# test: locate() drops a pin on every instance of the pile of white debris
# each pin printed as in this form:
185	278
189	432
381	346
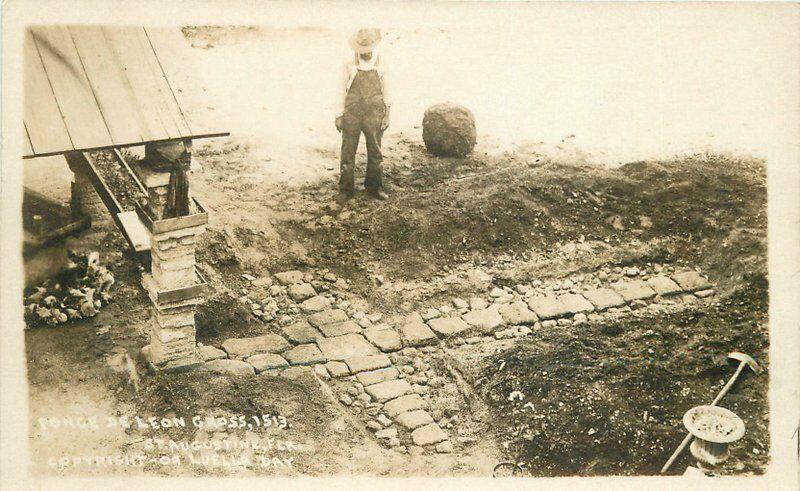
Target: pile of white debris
78	292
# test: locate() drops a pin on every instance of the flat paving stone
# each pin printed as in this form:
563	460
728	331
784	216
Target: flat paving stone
301	291
386	340
386	391
604	298
289	277
366	363
210	353
518	313
409	402
428	435
691	281
337	369
448	326
245	347
664	286
346	346
297	373
377	376
576	303
413	318
485	320
412	420
305	354
339	328
548	307
633	290
330	316
229	367
416	334
315	304
301	333
267	361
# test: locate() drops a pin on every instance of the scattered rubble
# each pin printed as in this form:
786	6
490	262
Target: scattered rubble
80	291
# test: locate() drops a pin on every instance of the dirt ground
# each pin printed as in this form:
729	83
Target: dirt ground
451	228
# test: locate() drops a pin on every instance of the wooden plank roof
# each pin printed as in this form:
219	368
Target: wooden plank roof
92	87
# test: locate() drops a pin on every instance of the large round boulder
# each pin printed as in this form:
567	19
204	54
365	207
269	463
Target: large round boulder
449	130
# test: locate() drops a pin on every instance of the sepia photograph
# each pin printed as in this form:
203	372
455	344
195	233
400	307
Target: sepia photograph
502	240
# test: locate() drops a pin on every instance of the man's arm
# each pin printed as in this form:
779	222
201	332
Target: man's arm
387	100
345	77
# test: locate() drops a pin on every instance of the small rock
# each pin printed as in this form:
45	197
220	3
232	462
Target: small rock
445	447
431	313
301	291
315	304
322	372
337	369
289	277
476	303
428	435
386	433
210	353
460	303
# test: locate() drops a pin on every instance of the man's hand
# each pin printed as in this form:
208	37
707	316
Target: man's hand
338	123
385	121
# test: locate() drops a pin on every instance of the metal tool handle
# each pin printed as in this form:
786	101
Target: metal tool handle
688	439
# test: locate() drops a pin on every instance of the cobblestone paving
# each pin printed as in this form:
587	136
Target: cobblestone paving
383	371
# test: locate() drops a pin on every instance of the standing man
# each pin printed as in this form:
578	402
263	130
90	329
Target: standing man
364	109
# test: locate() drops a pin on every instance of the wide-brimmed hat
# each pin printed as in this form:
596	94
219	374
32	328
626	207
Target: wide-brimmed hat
365	40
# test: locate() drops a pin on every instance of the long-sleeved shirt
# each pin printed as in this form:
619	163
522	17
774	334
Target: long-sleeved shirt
352	66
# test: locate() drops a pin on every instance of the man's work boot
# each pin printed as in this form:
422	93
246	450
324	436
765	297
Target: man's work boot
378	194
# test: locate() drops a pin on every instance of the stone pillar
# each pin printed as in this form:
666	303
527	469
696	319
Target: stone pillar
173	289
84	200
173	285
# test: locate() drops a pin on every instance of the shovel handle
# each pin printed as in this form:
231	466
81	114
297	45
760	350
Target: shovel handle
729	384
678	451
688	438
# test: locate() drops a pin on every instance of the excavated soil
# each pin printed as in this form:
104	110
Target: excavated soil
610	400
449	211
514	214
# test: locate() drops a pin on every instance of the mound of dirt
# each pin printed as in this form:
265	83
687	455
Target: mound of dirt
223	317
301	413
590	403
707	209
